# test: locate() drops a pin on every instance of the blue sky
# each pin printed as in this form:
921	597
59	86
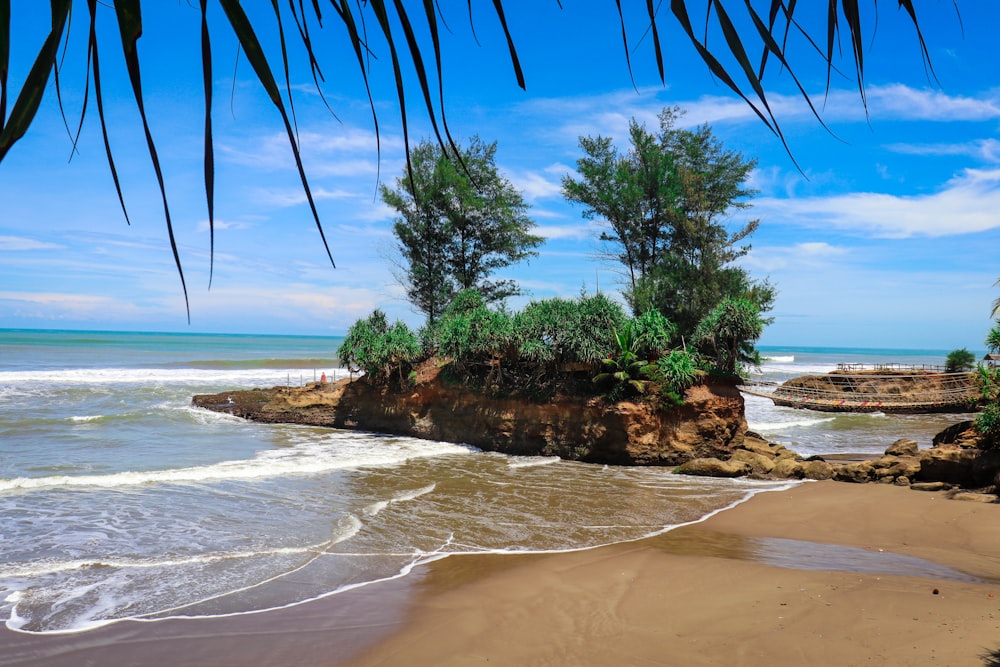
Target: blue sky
886	237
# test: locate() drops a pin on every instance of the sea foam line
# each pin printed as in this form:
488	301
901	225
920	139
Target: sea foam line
308	460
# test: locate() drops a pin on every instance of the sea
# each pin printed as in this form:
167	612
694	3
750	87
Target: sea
120	502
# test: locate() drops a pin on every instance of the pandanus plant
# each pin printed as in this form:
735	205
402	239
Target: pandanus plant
623	369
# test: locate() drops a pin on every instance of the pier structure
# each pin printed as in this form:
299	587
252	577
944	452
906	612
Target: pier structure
889	388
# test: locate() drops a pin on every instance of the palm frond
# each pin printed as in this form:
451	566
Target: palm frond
411	38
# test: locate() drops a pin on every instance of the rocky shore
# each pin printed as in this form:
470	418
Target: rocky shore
707	435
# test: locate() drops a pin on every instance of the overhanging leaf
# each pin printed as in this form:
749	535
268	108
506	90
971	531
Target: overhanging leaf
30	97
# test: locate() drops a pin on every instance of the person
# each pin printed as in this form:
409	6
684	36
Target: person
322	378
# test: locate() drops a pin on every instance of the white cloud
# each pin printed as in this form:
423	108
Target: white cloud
17	243
221	225
904	102
809	256
294	197
967	204
534	185
987	150
576	232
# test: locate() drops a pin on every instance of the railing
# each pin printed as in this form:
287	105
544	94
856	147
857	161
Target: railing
891	367
955	389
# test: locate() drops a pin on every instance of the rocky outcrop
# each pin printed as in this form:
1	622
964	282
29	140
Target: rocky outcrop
710	423
705	436
957	464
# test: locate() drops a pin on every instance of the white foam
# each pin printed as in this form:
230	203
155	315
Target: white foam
403	496
354	451
784	359
796	423
532	461
85	418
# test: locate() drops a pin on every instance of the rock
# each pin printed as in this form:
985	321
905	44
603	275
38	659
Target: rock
710	423
817	470
902	447
815	457
930	486
757	445
976	497
788	468
858	472
971	468
759	463
712	467
902	480
963	433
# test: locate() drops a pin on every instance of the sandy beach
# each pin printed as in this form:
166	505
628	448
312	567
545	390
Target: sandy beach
895	577
705	595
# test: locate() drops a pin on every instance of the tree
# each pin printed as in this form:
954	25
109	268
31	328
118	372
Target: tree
666	200
959	361
460	221
768	36
728	333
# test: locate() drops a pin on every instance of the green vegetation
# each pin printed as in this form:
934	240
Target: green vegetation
380	350
988	421
959	361
460	221
583	346
665	200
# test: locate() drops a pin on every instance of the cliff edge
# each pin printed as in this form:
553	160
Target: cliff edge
710	423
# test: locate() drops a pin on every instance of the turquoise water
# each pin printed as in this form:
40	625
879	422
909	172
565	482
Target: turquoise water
119	501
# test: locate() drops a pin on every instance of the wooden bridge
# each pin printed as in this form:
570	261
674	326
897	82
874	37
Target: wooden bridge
953	392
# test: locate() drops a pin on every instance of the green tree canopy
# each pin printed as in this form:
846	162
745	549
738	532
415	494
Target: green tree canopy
459	222
666	201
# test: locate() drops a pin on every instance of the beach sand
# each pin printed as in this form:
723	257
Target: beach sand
898	577
700	595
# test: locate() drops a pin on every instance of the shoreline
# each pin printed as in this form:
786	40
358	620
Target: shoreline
713	592
703	594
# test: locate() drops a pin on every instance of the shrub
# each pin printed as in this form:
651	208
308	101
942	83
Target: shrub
726	336
557	331
959	360
678	370
654	332
988	425
380	350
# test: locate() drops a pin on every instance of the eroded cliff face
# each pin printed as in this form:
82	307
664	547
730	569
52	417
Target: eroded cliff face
710	423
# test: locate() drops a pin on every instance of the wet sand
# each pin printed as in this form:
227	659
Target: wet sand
824	574
904	578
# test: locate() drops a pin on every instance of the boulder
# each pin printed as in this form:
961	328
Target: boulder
712	467
817	470
976	497
930	486
958	465
902	480
962	434
902	447
857	472
761	464
788	468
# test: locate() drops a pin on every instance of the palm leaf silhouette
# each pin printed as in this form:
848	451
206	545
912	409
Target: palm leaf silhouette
402	29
